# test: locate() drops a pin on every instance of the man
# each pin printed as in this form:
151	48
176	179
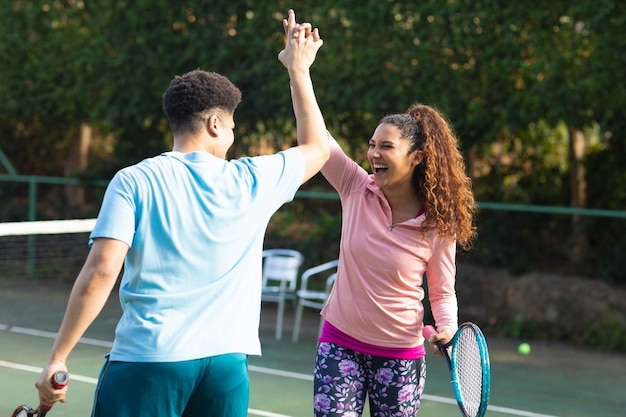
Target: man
188	226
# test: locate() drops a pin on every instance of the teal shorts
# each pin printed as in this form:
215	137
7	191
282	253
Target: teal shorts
217	386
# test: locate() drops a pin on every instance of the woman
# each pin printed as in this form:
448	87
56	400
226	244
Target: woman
400	222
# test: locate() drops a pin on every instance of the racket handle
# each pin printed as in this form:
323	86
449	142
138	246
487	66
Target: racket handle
59	380
428	331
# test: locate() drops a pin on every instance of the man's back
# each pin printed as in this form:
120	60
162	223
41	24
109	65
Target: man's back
195	225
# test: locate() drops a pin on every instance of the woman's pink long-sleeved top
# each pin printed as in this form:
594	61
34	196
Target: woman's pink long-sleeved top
377	296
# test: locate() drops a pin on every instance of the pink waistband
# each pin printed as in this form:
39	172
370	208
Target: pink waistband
331	334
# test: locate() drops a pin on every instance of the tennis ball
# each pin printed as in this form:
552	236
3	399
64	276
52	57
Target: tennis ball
524	349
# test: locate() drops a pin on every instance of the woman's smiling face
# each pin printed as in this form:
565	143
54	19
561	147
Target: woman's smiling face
389	157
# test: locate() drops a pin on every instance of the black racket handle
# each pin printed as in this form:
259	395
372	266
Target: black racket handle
427	332
59	380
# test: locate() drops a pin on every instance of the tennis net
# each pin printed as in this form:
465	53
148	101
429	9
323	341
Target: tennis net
54	249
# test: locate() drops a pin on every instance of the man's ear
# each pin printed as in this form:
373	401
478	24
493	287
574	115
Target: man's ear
212	125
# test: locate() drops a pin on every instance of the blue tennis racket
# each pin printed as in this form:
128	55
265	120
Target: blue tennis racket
468	361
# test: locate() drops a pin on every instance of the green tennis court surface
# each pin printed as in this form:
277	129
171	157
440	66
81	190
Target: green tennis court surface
554	380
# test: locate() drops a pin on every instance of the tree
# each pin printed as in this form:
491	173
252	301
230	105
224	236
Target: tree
517	80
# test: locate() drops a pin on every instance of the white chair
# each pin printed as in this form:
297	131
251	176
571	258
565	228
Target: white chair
280	273
315	286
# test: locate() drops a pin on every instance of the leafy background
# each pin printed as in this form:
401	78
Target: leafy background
536	95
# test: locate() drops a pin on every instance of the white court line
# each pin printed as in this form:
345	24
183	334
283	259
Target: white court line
514	412
278	372
52	335
437	398
37	370
253	368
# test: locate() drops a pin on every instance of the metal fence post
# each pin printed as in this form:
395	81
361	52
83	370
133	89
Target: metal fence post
32	215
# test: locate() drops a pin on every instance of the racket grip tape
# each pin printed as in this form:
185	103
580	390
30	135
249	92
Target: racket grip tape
59	380
428	331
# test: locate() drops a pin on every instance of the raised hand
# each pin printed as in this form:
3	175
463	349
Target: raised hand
302	44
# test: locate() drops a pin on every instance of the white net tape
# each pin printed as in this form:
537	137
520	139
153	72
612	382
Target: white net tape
43	249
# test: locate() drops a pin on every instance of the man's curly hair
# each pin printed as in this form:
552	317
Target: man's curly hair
191	96
440	180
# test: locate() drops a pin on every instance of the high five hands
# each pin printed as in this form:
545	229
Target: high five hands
302	44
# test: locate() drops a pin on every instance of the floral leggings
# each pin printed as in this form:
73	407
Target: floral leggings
343	377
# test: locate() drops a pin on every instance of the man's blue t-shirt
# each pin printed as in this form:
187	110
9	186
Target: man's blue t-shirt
195	226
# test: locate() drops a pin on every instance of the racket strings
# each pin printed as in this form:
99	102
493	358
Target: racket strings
470	371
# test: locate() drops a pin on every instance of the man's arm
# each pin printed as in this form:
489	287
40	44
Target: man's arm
298	56
89	294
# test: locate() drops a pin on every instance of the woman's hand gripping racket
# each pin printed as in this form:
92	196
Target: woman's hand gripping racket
468	360
59	380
